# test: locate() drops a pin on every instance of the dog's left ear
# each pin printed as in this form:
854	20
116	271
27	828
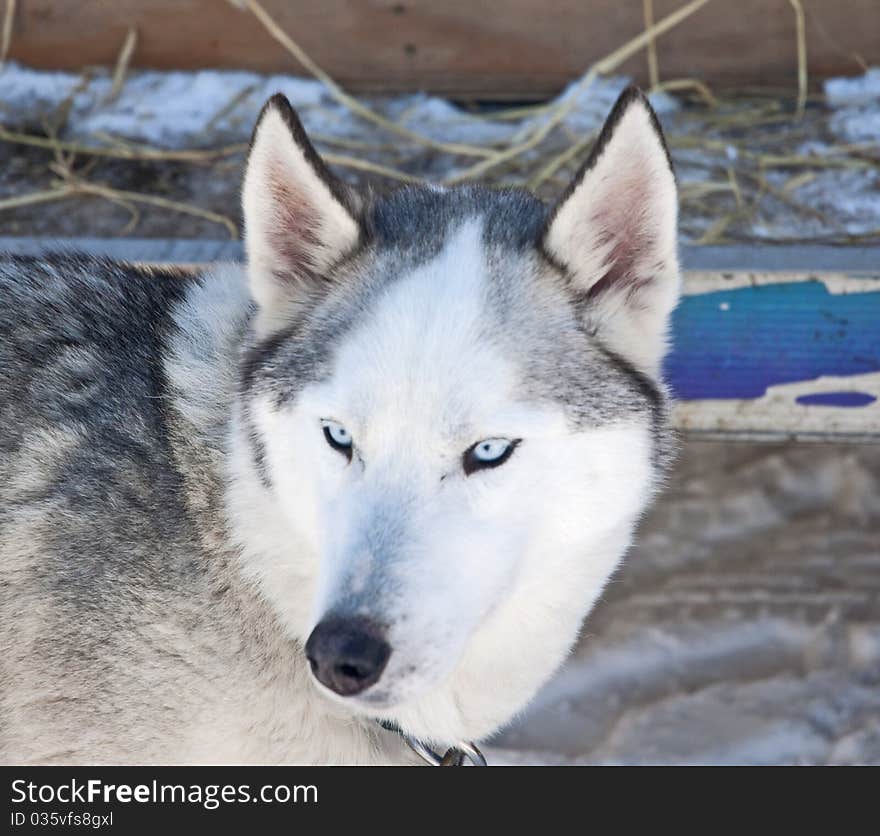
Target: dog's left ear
614	232
299	218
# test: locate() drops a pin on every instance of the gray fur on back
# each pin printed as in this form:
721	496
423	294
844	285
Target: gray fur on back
120	620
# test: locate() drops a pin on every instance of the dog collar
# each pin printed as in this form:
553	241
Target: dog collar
454	756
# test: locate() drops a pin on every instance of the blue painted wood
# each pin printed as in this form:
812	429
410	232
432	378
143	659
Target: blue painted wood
840	399
736	343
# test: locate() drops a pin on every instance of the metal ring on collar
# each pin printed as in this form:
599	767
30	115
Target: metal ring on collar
453	757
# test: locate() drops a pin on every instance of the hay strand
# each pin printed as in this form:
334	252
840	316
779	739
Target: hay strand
354	105
123	62
117	195
605	65
653	67
800	29
742	169
121	152
6	34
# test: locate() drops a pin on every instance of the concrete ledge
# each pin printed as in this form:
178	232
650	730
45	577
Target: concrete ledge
852	260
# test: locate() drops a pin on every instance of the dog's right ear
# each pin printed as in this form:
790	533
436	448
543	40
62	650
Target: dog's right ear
299	218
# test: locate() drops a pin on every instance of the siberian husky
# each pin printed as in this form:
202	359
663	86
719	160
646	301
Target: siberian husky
361	490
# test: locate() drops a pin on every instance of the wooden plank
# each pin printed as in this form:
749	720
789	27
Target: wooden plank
779	354
789	352
458	47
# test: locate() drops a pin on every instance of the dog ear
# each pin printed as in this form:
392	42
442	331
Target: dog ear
614	232
299	218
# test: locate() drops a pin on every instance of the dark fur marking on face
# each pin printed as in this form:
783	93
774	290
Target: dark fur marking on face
257	449
513	218
406	228
656	400
402	229
256	361
259	355
531	306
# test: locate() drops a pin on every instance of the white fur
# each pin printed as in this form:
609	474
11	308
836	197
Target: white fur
481	581
492	573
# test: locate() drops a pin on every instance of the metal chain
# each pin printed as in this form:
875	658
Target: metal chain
454	757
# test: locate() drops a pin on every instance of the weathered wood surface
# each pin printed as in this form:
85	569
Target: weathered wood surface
764	355
785	346
514	48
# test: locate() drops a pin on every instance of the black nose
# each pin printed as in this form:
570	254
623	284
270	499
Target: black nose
347	654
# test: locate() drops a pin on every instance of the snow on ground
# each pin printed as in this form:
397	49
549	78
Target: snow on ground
212	107
855	100
728	193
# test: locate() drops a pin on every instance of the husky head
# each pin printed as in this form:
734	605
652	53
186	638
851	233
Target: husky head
451	416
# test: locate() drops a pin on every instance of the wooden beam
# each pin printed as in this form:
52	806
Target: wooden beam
467	48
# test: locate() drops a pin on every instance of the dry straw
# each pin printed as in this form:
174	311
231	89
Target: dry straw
122	63
6	32
542	153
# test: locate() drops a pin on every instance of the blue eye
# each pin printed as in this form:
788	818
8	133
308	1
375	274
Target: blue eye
491	452
337	437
